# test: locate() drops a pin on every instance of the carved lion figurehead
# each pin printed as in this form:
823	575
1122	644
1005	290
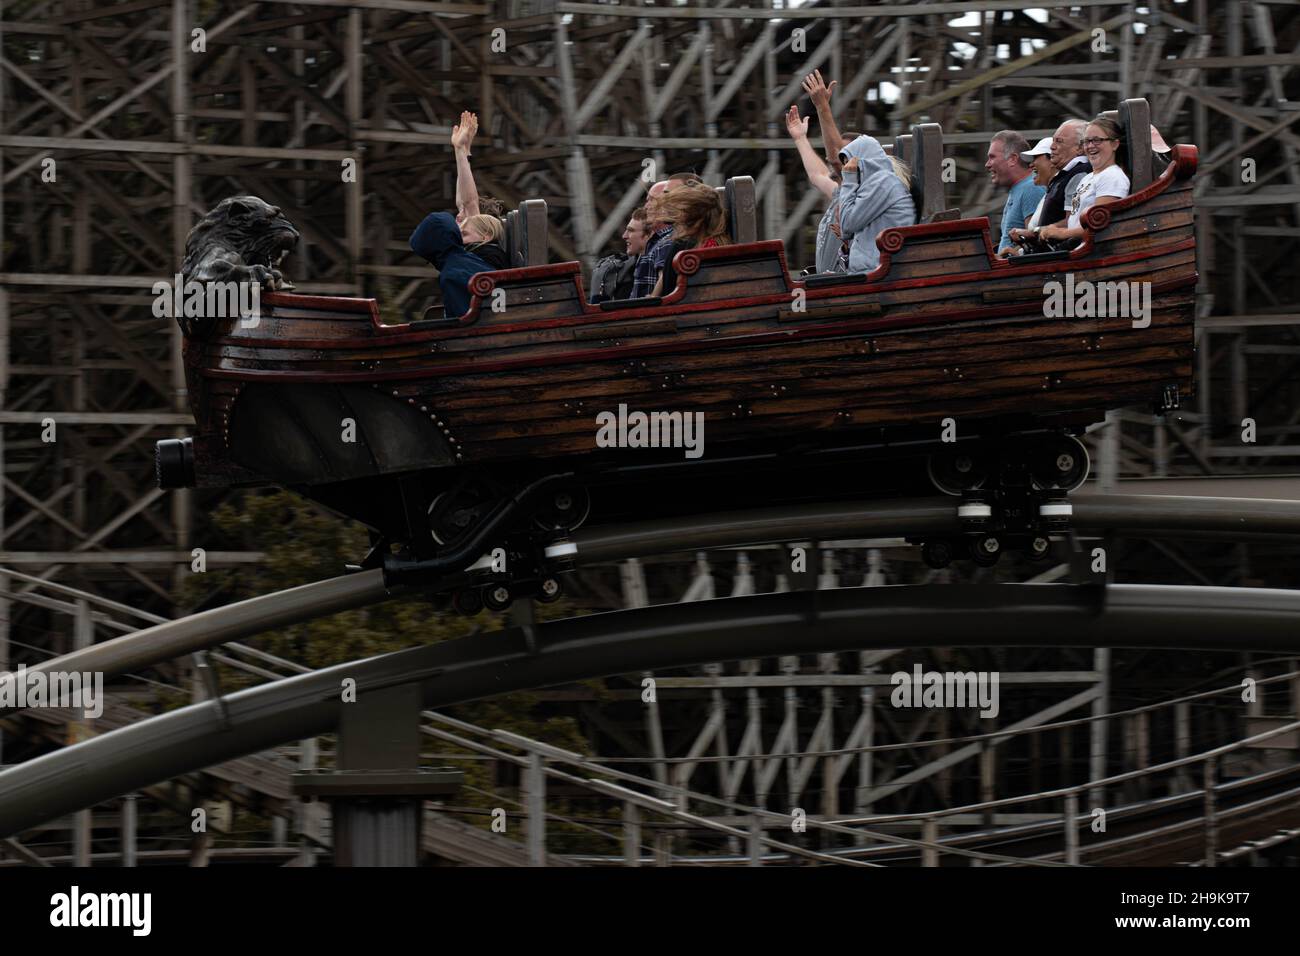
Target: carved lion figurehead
240	226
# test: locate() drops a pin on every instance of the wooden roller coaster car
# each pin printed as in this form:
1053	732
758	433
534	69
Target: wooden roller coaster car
788	373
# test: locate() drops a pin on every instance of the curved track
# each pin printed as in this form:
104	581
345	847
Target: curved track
649	639
1230	518
173	639
661	637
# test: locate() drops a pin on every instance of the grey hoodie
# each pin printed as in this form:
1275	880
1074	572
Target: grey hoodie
872	199
828	244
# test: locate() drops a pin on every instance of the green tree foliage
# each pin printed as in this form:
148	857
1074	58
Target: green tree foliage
302	544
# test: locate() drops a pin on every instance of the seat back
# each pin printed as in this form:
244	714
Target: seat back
902	147
926	147
740	203
511	241
526	234
1135	120
927	169
534	240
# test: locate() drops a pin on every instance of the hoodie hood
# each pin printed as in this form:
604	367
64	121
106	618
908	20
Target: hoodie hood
871	200
490	252
871	157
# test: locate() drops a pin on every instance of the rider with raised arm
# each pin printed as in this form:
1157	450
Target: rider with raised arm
468	201
828	230
468	243
819	175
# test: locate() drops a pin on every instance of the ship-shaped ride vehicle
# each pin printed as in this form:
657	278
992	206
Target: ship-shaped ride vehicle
944	368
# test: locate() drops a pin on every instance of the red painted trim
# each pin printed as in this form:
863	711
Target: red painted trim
292	300
1097	218
829	330
736	251
716	305
687	263
890	242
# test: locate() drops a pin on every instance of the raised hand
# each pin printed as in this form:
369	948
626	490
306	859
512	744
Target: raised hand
817	90
796	125
462	134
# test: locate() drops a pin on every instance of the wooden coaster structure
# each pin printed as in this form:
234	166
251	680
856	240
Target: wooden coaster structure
120	125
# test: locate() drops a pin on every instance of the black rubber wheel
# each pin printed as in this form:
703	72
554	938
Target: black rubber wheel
564	510
468	602
550	590
985	549
1060	462
937	554
454	513
957	470
497	597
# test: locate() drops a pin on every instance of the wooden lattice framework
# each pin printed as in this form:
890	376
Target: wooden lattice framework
146	131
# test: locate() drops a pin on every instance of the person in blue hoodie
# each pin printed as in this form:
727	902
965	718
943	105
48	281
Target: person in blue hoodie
872	199
459	252
471	241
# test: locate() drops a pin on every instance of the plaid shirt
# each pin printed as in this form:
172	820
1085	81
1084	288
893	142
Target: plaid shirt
651	262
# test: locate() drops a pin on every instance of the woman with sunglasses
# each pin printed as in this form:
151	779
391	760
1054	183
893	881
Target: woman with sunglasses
1105	184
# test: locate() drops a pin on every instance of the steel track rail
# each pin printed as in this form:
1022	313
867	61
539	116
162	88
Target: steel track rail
172	639
1232	518
653	638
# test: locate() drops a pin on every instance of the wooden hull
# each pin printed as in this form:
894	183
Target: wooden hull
940	330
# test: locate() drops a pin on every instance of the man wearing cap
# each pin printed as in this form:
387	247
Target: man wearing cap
1039	159
1007	169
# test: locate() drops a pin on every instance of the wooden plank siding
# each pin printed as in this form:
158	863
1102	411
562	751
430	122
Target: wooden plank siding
941	328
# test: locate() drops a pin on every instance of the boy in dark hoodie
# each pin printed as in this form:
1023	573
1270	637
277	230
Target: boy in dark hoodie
458	254
468	243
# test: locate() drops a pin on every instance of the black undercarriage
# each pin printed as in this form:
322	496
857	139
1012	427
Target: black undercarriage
491	535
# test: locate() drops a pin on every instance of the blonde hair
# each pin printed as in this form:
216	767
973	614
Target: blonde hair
694	211
485	225
902	171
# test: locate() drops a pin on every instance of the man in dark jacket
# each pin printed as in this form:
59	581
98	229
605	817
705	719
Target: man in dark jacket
1072	166
614	275
1068	158
459	257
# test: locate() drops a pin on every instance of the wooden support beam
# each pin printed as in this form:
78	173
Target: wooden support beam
987	79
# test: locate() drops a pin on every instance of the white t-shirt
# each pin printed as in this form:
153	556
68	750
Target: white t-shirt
1038	213
1111	181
